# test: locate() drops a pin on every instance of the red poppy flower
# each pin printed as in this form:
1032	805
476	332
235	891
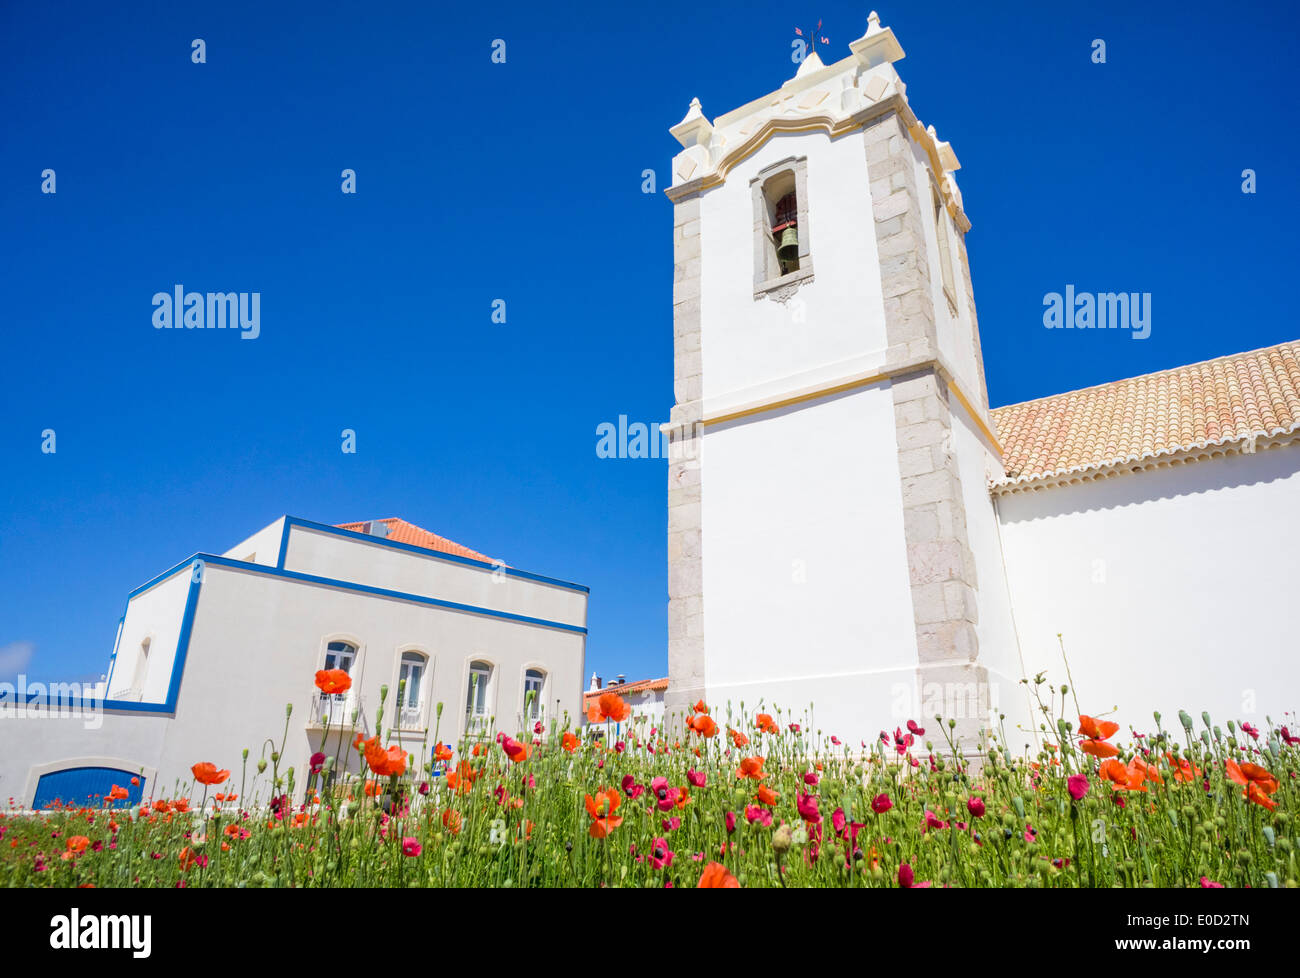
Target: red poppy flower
610	706
716	877
206	772
333	681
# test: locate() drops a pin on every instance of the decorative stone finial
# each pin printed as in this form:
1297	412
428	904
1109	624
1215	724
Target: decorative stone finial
878	45
694	129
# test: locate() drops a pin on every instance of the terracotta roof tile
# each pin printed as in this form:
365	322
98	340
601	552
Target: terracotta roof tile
401	531
636	687
1210	403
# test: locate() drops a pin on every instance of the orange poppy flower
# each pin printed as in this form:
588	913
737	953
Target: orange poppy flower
1184	771
766	796
188	859
442	752
1097	729
601	810
205	772
716	877
117	793
1099	748
683	796
373	789
738	738
77	843
462	779
610	706
765	723
1129	778
451	820
385	763
1258	782
181	805
703	725
569	741
333	681
359	742
161	806
699	707
751	767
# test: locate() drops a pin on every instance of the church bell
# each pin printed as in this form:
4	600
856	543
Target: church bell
788	249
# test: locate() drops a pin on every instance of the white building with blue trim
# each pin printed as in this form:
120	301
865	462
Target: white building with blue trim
211	651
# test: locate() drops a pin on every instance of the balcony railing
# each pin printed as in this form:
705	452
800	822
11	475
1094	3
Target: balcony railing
338	709
411	717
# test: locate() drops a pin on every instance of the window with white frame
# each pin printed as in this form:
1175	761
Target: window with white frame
410	681
477	695
534	685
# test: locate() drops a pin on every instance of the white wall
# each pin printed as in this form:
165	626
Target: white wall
378	565
818	485
155	614
999	645
263	547
746	342
1173	588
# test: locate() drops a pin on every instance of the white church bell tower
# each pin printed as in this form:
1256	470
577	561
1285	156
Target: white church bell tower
831	538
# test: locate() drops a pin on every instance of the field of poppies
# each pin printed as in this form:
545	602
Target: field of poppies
733	799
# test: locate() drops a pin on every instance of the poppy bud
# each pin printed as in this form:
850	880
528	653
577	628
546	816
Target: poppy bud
261	765
275	756
1185	719
1268	836
782	839
245	753
288	710
1205	718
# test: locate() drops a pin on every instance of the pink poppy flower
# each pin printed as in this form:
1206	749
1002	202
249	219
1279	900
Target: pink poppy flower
631	788
810	778
411	847
660	855
665	795
807	806
907	878
918	731
1209	884
975	806
755	813
1078	786
696	778
881	804
731	822
672	824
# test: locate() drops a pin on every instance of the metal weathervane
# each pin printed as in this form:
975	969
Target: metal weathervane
814	35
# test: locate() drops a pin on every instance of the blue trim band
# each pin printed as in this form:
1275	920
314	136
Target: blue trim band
284	544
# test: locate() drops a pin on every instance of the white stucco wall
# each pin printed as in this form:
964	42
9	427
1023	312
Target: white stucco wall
1173	588
263	547
805	566
999	645
377	565
746	342
155	614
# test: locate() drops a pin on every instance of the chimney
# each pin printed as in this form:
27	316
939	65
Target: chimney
376	528
621	679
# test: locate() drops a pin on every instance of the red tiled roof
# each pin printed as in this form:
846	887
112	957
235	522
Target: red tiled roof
401	531
621	688
1232	398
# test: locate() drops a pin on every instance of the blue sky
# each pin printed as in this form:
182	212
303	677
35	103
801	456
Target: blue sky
522	181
